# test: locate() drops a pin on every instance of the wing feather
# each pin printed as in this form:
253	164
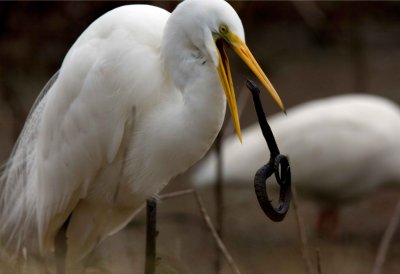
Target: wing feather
17	204
85	118
78	125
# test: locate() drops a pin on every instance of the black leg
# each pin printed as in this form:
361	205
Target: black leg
151	234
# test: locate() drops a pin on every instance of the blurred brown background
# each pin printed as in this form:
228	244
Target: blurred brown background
308	50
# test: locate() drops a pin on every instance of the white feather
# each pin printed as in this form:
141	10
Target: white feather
137	101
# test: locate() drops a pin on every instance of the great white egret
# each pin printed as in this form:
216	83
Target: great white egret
139	98
340	149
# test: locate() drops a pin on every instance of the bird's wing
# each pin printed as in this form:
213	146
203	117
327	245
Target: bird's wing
17	210
103	77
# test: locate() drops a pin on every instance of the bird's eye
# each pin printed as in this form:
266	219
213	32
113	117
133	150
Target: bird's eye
223	29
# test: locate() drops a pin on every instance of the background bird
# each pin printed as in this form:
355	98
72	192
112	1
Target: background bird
341	149
139	98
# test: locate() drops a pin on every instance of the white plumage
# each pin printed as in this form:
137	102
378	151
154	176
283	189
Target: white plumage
340	149
136	101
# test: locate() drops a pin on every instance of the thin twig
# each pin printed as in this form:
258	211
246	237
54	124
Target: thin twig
175	194
227	129
386	240
214	233
208	222
302	232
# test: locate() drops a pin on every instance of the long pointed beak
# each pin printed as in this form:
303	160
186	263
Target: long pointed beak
245	54
226	81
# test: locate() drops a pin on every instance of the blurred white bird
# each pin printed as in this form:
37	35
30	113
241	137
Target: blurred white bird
136	101
340	149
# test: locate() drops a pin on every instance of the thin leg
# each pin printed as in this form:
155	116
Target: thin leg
209	224
386	240
151	234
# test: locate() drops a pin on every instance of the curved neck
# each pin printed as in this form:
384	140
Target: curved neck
198	113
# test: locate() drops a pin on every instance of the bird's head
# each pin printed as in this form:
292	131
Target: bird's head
213	26
228	33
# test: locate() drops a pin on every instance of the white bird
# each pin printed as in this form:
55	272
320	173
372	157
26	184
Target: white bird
340	149
139	98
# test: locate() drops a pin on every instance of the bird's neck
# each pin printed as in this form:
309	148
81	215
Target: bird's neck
202	106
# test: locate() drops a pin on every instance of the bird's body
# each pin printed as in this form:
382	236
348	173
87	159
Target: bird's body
340	149
136	101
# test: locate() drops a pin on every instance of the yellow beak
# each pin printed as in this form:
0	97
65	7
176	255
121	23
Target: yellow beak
224	73
226	79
